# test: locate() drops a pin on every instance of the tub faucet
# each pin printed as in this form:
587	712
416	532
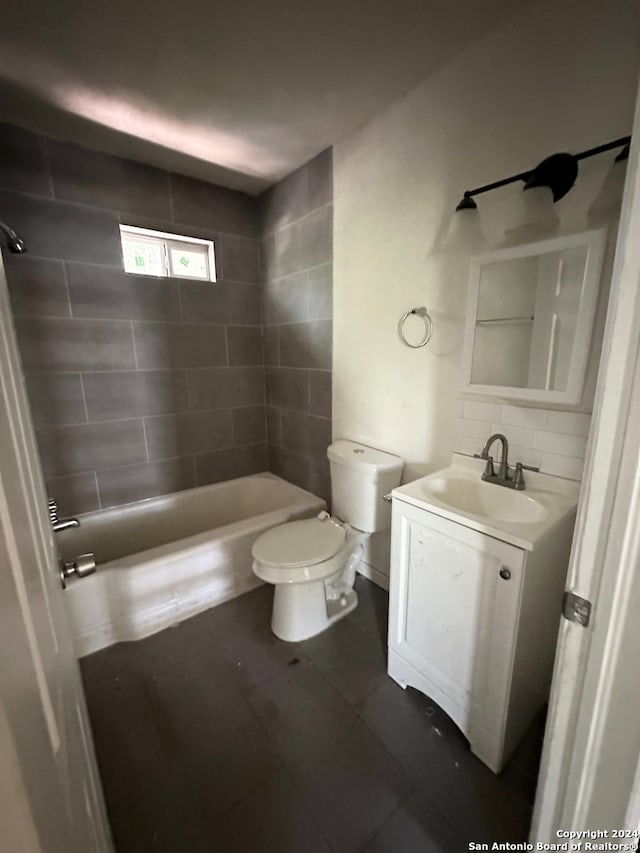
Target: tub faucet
502	477
62	523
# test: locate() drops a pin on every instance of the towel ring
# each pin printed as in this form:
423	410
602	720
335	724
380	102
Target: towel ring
428	323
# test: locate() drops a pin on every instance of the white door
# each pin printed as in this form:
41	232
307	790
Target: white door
50	795
590	772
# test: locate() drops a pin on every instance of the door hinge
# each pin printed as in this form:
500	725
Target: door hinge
576	609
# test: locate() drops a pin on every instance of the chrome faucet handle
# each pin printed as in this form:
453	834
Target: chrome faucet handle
518	477
527	467
64	524
488	468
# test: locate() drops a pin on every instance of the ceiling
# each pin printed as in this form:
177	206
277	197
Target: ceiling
239	93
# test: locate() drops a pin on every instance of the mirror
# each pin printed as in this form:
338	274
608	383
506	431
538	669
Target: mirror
529	318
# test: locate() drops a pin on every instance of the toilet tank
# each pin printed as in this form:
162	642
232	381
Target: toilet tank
360	477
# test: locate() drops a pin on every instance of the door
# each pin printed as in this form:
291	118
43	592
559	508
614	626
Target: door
50	795
453	617
590	771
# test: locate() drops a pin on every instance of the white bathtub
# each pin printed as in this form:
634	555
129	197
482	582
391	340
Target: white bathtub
165	559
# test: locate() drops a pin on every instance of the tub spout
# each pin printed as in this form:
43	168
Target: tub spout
65	524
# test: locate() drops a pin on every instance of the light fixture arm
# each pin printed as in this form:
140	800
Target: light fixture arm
557	171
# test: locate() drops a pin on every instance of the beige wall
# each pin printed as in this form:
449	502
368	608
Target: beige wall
555	77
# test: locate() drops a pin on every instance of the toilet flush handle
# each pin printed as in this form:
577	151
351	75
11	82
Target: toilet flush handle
387	498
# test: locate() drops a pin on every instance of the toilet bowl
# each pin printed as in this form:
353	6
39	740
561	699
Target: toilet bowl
312	563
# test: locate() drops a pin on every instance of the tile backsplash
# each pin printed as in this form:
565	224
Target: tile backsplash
551	440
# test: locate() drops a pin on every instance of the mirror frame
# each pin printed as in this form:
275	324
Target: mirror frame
595	241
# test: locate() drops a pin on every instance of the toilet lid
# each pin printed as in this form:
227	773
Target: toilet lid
299	543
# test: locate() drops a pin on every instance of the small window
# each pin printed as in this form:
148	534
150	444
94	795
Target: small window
147	252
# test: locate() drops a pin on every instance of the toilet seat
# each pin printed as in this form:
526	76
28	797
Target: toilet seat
297	544
299	552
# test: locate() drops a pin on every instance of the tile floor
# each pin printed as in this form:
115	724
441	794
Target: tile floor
215	737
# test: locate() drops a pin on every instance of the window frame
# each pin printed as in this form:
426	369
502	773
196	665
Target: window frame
169	241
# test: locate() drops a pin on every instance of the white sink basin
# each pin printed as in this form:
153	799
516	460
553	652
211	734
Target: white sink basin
520	517
485	499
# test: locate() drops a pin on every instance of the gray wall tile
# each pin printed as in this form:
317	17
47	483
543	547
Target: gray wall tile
305	434
165	345
225	387
250	459
215	467
125	394
226	465
320	292
320	179
319	482
75	494
249	426
181	369
70	232
271	345
23	161
36	287
240	258
123	485
208	206
245	345
56	398
289	465
297	263
71	449
306	344
274	433
286	300
75	345
222	302
106	293
284	202
187	433
102	180
288	388
320	393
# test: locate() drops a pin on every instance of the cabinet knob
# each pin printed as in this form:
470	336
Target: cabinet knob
505	574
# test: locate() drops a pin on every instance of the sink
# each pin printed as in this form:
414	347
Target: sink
522	518
484	499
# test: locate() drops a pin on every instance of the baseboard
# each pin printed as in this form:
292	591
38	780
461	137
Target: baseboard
376	577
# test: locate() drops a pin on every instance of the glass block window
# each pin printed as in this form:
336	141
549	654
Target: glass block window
147	252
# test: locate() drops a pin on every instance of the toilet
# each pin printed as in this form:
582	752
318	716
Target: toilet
313	562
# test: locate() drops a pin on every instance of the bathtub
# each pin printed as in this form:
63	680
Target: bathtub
164	559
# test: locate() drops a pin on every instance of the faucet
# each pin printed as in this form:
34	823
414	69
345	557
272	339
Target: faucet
62	523
502	477
503	471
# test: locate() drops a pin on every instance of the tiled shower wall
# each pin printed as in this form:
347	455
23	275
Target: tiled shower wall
138	386
297	266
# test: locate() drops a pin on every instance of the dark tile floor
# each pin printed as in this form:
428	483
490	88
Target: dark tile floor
215	737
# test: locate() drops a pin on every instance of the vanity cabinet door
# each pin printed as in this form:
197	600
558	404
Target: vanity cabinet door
454	601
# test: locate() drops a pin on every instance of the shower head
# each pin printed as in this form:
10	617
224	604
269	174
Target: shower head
16	244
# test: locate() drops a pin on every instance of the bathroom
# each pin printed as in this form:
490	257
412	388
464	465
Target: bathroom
139	391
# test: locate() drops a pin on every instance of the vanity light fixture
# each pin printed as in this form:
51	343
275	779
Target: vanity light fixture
557	172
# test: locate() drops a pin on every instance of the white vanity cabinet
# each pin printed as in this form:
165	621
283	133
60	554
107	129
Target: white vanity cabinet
473	622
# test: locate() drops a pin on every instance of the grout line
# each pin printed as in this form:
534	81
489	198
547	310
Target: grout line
294	222
133	341
49	166
146	442
66	290
95	477
84	399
